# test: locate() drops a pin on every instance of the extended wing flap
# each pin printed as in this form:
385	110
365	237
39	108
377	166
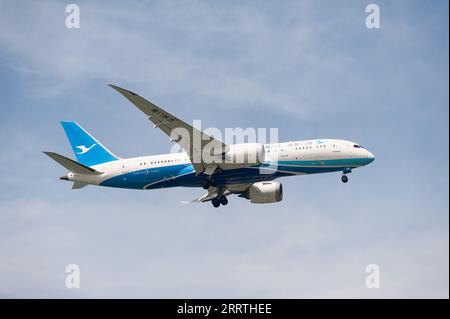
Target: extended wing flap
212	193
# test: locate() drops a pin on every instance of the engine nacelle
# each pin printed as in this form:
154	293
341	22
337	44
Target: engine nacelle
243	155
265	192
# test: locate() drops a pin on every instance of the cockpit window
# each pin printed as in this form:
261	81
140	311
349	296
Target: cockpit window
357	146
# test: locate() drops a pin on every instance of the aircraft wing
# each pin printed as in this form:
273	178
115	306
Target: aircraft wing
175	129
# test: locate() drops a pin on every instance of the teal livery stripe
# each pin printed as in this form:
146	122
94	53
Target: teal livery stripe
342	162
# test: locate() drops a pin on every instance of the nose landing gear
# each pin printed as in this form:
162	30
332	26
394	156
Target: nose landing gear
344	177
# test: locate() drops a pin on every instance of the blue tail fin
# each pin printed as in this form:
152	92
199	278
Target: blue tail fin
87	149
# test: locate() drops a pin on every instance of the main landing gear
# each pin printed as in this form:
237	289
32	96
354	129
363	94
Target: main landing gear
344	179
206	183
219	200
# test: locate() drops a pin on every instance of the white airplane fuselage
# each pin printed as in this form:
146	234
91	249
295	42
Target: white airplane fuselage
281	159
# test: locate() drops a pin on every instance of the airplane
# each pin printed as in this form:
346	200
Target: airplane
251	177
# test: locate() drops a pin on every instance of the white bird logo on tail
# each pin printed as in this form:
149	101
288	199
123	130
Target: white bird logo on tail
84	149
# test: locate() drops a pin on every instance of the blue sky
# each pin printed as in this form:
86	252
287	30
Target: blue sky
310	68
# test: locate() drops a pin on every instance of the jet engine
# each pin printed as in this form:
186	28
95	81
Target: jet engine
243	155
265	192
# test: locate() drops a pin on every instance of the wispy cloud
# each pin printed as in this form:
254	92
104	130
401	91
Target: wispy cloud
232	55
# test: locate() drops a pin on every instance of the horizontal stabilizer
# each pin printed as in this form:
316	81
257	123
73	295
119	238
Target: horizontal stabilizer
71	165
78	185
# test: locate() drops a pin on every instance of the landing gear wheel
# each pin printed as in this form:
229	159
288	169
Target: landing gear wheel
223	200
213	182
344	179
215	202
205	184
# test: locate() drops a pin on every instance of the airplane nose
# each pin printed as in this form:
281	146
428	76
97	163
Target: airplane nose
370	156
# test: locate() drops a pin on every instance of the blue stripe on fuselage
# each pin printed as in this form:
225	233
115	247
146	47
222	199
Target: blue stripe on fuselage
184	174
140	178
